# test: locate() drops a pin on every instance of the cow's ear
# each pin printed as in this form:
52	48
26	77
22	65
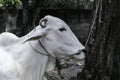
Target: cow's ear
43	22
35	37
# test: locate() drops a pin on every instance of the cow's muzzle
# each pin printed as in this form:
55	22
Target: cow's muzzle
79	52
80	55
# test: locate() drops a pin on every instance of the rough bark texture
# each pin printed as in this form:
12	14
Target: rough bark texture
103	57
2	21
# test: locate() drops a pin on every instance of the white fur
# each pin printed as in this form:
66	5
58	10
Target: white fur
19	61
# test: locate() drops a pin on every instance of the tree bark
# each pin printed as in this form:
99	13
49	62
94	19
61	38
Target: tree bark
2	22
103	57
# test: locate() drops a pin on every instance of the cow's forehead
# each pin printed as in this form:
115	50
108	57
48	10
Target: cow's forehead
52	18
55	20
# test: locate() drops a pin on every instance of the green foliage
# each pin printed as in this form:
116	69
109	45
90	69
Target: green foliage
8	4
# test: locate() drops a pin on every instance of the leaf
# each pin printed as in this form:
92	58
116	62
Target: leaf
1	5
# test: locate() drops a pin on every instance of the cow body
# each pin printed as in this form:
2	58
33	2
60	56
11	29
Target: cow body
7	39
25	65
26	59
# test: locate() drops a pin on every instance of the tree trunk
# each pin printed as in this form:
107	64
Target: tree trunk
30	14
10	17
10	23
103	57
25	17
2	22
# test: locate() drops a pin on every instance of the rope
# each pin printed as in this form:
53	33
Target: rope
37	50
42	47
58	65
93	23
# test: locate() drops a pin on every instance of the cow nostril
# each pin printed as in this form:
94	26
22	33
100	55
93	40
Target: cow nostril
84	50
79	52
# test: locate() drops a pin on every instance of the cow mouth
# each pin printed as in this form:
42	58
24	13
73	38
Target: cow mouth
77	56
79	52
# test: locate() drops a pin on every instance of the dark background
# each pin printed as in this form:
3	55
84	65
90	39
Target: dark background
94	21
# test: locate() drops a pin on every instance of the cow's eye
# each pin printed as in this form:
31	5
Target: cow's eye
43	23
62	29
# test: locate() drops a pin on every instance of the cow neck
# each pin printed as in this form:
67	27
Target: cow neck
42	46
40	43
36	70
30	64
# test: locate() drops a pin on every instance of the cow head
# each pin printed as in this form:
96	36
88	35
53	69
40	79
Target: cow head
57	38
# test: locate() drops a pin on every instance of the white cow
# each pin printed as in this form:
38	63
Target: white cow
30	56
